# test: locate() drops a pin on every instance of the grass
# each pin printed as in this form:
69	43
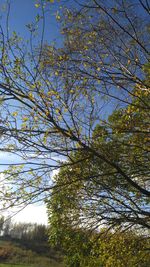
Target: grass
25	265
12	254
12	265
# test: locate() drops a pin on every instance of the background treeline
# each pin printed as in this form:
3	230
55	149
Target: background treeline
24	242
23	231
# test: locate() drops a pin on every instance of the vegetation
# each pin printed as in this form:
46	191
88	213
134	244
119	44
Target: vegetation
103	180
60	99
27	244
94	197
14	253
81	109
119	249
12	265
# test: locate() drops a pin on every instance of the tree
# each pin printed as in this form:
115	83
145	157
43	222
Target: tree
101	248
94	196
59	95
7	227
123	249
95	193
1	224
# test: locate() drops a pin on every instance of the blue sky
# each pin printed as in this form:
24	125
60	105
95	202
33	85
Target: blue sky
22	13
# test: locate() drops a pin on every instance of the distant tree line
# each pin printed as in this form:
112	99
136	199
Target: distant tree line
23	231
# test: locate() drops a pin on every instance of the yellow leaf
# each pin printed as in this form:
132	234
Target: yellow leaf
57	111
56	73
37	5
30	96
47	112
57	17
35	118
25	119
15	113
23	125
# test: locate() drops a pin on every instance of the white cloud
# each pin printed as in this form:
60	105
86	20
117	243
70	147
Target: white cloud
32	214
54	172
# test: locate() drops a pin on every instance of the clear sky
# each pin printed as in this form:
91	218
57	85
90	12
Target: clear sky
23	12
